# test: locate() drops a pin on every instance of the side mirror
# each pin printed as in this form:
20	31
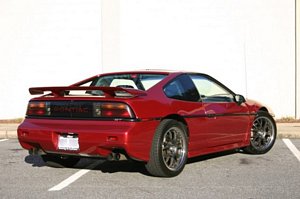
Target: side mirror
239	99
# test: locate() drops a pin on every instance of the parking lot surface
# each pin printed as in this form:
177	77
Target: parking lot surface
223	175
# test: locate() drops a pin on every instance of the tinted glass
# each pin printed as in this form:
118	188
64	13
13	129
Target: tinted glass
182	88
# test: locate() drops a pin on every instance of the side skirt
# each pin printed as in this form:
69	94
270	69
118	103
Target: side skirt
216	149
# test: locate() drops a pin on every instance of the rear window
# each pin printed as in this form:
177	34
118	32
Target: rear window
135	81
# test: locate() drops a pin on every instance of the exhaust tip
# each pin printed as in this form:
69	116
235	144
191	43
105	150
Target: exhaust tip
36	151
114	157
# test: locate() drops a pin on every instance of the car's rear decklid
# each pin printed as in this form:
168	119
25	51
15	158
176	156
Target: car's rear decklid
61	106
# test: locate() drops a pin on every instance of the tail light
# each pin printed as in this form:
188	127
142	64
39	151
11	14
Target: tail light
38	109
116	110
79	109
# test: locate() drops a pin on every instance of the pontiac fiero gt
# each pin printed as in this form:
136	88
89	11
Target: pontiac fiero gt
160	118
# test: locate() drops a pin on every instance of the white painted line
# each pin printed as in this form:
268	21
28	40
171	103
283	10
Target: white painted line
292	148
74	177
2	140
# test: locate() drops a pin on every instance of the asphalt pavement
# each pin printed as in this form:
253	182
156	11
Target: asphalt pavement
222	175
284	130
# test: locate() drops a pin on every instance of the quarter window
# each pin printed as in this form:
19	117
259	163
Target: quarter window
182	88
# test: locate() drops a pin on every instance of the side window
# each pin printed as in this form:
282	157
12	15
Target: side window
182	88
211	91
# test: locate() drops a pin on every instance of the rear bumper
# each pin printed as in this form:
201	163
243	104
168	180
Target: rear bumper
96	138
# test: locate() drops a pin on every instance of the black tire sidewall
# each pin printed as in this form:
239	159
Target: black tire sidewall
253	150
157	143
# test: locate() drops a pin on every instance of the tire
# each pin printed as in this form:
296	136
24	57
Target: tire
169	150
263	134
60	161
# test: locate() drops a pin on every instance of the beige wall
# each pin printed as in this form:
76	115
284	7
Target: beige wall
45	43
110	34
249	45
298	57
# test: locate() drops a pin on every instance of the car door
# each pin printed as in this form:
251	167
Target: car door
226	121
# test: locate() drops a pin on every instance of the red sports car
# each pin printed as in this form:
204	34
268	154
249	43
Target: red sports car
161	118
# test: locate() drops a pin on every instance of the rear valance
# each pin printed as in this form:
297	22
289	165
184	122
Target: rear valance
108	91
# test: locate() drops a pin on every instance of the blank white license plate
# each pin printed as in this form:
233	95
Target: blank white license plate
68	142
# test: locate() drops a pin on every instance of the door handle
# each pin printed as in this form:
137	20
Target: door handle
211	116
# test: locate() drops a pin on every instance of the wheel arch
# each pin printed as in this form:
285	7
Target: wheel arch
267	110
178	118
264	109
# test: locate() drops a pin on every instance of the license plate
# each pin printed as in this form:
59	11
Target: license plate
68	142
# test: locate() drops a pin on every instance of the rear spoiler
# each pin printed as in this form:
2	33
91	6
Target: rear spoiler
108	91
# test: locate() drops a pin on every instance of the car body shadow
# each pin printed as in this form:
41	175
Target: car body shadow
127	166
212	156
35	160
104	166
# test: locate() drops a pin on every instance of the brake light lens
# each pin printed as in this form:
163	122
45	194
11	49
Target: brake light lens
38	109
79	109
116	110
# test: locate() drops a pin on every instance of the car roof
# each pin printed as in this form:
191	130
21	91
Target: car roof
146	71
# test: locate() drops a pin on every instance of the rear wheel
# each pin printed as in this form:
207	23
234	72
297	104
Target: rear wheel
169	149
263	134
57	160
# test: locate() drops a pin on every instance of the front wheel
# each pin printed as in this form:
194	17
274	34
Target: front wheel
263	134
169	149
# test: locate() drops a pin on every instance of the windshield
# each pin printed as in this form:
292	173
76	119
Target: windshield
135	81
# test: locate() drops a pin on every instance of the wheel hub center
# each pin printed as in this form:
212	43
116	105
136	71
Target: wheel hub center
261	133
173	150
